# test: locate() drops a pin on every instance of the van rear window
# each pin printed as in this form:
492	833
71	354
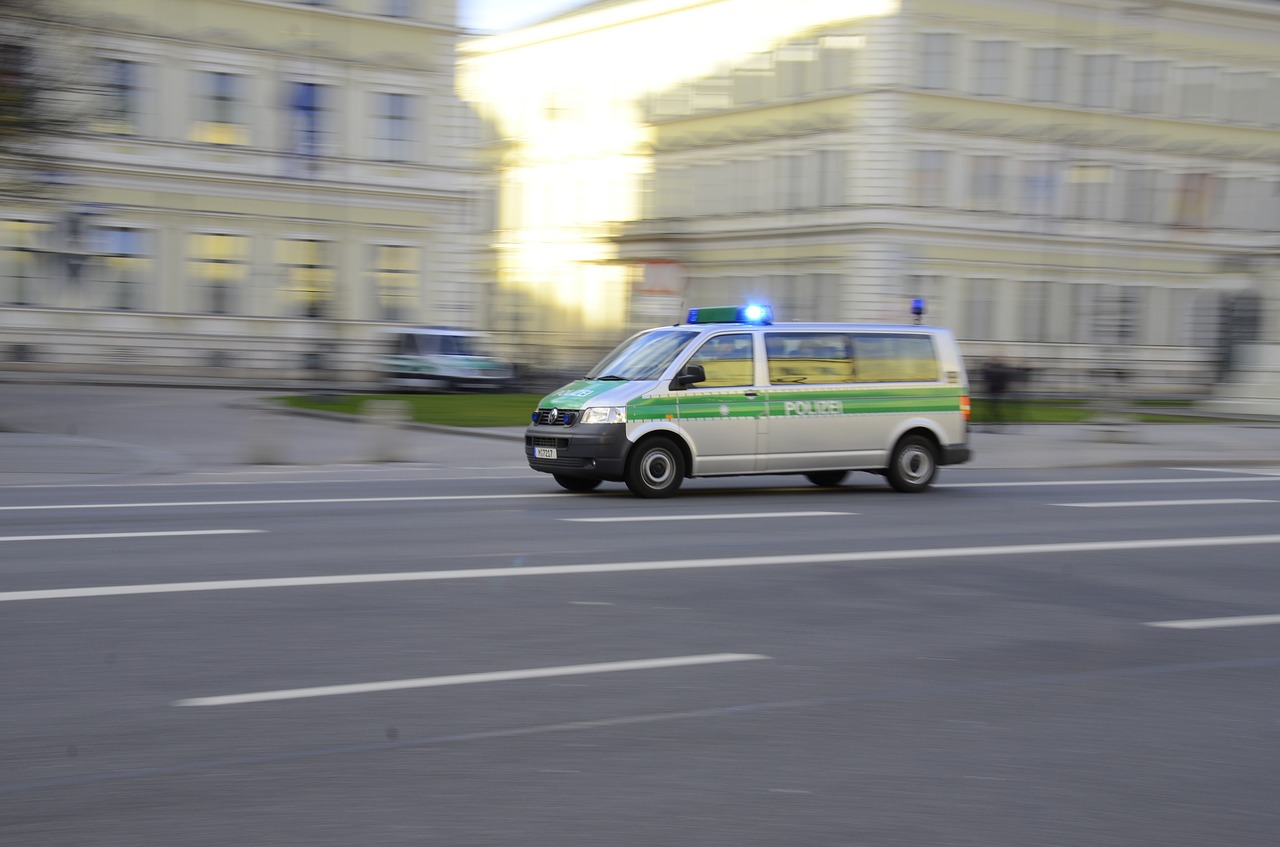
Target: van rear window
895	358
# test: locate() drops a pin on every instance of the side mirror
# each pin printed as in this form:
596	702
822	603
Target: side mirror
687	376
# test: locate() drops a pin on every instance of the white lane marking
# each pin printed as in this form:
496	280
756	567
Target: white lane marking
471	678
627	567
1054	482
95	535
291	502
725	517
426	498
1121	504
426	476
1263	471
1218	623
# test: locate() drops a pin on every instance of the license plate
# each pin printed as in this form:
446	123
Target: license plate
544	452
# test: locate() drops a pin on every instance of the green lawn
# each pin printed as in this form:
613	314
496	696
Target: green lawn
485	410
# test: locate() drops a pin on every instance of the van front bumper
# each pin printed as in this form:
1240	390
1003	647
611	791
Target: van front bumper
593	451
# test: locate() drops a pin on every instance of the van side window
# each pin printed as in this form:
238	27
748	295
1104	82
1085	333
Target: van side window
895	357
727	359
808	357
407	345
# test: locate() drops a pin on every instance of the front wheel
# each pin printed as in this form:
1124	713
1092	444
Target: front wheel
576	483
913	464
655	468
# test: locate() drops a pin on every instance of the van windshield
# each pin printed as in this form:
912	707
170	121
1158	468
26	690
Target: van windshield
643	356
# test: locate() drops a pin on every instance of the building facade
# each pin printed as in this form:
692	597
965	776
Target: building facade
1086	188
257	188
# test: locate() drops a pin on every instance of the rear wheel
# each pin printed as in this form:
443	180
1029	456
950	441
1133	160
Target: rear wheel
655	468
913	464
576	483
826	479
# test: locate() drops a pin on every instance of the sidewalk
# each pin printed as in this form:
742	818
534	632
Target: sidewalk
95	433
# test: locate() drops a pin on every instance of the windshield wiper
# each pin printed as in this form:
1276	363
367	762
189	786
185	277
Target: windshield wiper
612	378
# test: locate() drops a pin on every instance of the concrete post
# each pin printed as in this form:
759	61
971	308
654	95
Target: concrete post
386	419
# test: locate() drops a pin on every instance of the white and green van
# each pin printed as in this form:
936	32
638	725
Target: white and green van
730	393
442	359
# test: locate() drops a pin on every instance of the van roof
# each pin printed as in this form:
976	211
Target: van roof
821	327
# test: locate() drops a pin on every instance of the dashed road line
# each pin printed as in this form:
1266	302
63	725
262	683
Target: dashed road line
855	557
84	536
1219	623
471	678
707	517
1124	504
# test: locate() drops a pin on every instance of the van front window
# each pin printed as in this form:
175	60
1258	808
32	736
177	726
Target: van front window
643	356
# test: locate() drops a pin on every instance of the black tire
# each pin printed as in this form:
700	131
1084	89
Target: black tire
826	479
913	464
655	468
576	483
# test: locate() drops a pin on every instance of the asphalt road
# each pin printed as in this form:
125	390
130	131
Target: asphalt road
461	658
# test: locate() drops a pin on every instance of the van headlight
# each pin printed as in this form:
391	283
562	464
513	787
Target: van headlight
604	415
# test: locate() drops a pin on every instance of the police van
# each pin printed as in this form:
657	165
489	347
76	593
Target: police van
441	359
730	393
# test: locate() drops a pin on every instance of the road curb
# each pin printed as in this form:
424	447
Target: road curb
361	420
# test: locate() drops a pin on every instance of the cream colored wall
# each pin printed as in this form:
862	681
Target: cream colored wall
163	184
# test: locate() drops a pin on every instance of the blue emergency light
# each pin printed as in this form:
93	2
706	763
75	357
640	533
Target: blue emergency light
754	313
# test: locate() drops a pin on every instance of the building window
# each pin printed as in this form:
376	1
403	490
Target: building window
122	109
1089	195
25	262
218	267
17	82
835	60
393	124
1117	312
991	70
930	184
1195	92
126	265
309	120
1140	192
936	60
1245	93
980	308
1147	87
396	272
796	69
1098	82
831	175
1196	193
986	189
1039	188
1033	322
752	83
221	109
307	277
1271	104
1047	64
399	8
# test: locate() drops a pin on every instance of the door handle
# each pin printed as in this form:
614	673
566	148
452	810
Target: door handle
751	395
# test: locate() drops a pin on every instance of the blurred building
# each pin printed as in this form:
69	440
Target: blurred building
1087	188
257	187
